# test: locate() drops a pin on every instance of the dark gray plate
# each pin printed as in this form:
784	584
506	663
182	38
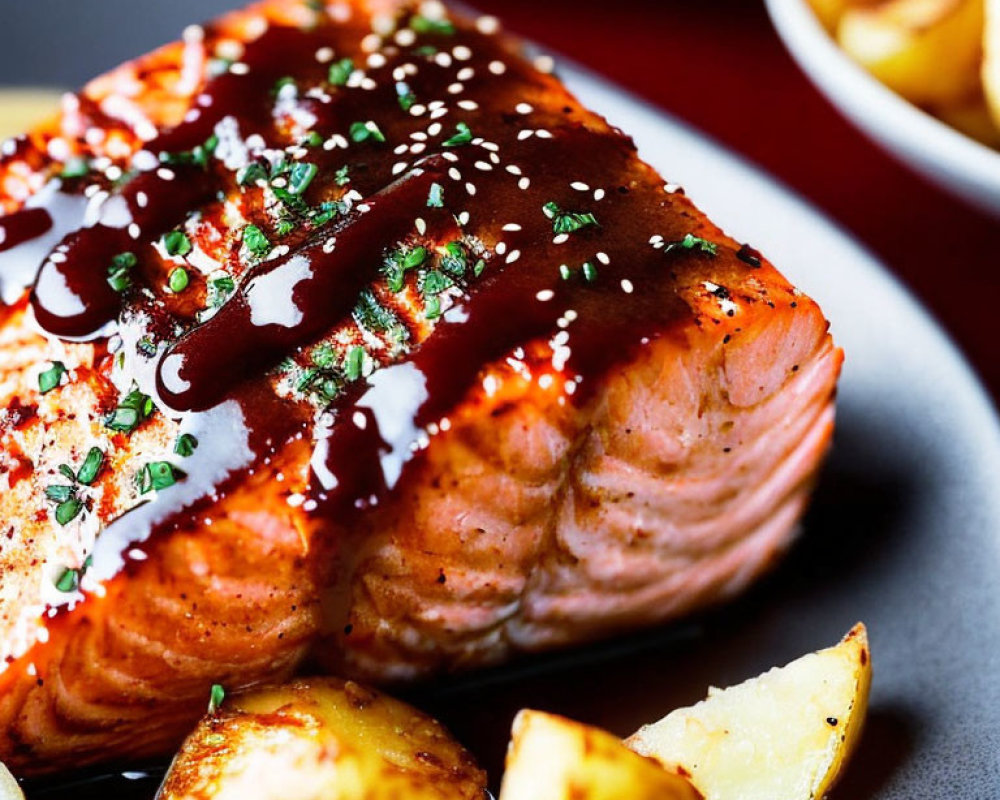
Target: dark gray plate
904	533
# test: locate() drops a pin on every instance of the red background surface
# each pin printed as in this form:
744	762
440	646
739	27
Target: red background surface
719	65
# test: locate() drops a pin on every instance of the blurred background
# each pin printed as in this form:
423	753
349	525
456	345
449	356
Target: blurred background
715	63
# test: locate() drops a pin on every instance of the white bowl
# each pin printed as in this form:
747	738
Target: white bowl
949	158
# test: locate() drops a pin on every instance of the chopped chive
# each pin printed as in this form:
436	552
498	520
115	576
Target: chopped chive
589	271
91	466
432	307
50	378
342	176
363	131
565	272
354	363
692	242
311	139
463	136
157	475
421	24
301	176
176	243
340	71
215	698
185	445
131	410
478	269
75	168
146	346
251	174
67	472
416	257
435	198
219	289
285	227
567	221
178	279
405	95
68	510
58	493
118	273
454	261
255	241
69	580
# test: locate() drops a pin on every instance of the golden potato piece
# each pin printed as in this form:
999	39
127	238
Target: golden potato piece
785	735
9	789
929	51
553	758
991	58
321	739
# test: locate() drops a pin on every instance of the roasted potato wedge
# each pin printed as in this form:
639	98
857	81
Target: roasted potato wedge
929	51
321	738
785	735
9	789
553	758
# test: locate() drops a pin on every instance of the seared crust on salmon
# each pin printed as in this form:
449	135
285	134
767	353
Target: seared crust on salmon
339	331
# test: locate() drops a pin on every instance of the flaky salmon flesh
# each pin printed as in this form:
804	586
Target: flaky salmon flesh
340	333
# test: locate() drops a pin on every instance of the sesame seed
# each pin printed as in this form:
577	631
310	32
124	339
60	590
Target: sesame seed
545	295
543	134
405	37
513	169
134	231
599	194
523	184
417	148
418	110
580	186
497	67
627	286
438	113
399	74
670	188
466	74
562	238
488	25
420	225
436	104
442	59
484	166
655	238
401	149
461	53
371	43
376	61
449	156
501	248
513	256
324	55
369	84
525	134
511	226
434	130
419	136
463	218
360	420
399	167
165	174
603	258
470	188
468	105
493	147
524	108
239	68
341	140
454	174
330	245
456	88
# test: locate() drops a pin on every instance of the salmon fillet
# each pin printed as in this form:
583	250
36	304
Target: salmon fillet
340	332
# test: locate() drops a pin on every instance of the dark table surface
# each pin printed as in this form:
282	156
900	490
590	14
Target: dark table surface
716	63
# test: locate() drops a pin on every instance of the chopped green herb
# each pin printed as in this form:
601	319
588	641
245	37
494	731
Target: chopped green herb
157	475
589	271
132	409
435	199
178	280
69	580
91	466
354	363
146	346
463	136
567	221
75	168
425	50
215	698
416	257
176	243
434	282
255	241
67	472
405	95
301	176
199	155
219	289
323	355
118	273
478	269
692	242
285	227
363	131
69	510
185	445
311	139
342	176
432	307
58	493
50	378
340	71
251	174
421	24
281	83
565	272
371	314
454	260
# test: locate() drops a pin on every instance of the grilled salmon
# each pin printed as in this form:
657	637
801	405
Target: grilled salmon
341	332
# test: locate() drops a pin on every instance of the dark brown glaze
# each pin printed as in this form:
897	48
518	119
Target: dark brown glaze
534	286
